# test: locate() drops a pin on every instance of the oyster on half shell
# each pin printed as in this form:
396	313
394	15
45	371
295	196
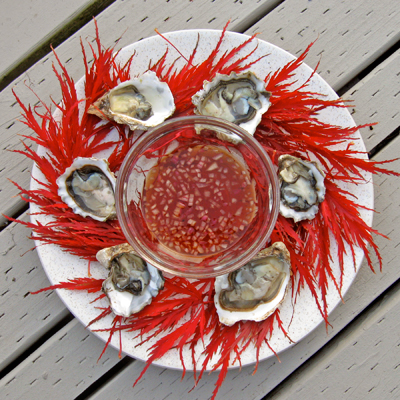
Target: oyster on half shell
302	187
88	187
254	291
140	103
237	98
131	283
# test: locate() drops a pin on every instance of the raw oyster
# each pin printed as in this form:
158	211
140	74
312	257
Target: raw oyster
140	103
240	99
302	188
131	283
254	291
88	186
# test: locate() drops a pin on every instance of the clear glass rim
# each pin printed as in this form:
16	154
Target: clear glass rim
151	136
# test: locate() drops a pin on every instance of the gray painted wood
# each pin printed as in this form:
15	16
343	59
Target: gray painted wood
26	26
61	368
134	20
351	33
24	318
363	364
377	99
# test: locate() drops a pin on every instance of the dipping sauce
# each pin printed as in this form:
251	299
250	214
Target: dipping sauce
199	200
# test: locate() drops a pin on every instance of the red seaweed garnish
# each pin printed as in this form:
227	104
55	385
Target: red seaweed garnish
91	285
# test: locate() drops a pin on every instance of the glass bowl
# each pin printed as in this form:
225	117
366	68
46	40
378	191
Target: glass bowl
193	203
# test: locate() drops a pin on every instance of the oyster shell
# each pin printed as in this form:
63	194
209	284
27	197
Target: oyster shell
302	187
88	186
140	103
254	291
131	283
237	98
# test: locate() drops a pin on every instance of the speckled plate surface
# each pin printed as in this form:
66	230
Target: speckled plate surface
299	320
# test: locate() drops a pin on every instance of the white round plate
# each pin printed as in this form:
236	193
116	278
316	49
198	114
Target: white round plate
299	319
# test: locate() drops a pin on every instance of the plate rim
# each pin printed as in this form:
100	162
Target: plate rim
115	343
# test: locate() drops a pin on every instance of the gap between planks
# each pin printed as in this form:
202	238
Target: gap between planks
54	38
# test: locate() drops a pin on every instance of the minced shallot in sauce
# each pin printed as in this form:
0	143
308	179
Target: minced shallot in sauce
199	200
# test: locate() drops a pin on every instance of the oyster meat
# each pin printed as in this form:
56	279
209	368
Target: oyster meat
131	283
237	98
140	103
302	187
254	291
88	186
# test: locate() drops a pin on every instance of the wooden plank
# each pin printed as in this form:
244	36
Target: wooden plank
26	29
383	81
361	363
62	368
24	318
351	33
134	20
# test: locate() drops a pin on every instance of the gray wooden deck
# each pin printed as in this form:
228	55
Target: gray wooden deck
45	352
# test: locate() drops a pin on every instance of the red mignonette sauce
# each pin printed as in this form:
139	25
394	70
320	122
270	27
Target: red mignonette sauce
199	200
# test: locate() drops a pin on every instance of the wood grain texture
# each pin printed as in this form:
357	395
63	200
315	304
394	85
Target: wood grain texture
61	368
24	28
24	317
379	95
133	20
363	362
351	33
